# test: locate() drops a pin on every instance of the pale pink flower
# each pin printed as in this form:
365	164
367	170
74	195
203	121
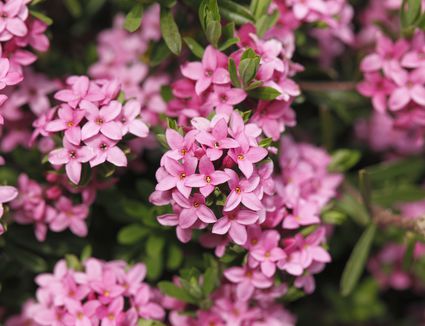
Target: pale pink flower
235	223
193	208
69	120
130	119
81	89
105	149
7	194
70	216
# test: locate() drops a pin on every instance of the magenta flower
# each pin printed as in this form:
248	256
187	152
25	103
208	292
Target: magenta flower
81	89
248	280
145	307
80	314
217	140
70	216
207	178
305	213
378	88
193	208
223	98
268	253
177	174
303	8
387	57
7	76
129	122
207	72
414	59
12	23
7	194
246	156
410	88
69	120
107	287
101	120
179	145
242	192
72	156
105	149
235	223
110	315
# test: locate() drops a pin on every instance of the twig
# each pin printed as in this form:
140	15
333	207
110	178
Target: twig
327	86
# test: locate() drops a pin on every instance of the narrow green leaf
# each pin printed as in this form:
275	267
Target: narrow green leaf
39	15
213	32
264	93
154	266
248	69
235	12
194	46
260	8
134	18
131	234
174	257
266	22
228	43
413	12
155	246
357	261
170	31
229	30
74	7
174	291
343	160
266	142
160	52
398	193
233	73
210	280
409	169
86	253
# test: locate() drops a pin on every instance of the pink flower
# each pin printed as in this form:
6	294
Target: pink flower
101	120
248	280
81	89
72	156
303	8
7	194
70	216
235	223
268	253
145	307
223	98
129	121
7	76
217	140
69	120
387	57
246	156
105	149
13	14
410	88
107	288
305	213
207	72
193	209
111	314
177	174
80	314
179	145
207	178
377	87
242	192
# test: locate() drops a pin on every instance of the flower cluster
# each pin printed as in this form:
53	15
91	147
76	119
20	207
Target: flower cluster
7	194
93	122
216	161
52	205
394	78
228	310
98	293
18	32
120	54
207	86
333	16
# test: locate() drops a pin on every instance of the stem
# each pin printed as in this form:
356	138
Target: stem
326	86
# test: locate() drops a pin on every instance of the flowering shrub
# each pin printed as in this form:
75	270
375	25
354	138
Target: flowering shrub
211	162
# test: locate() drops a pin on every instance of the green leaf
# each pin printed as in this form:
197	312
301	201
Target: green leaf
235	12
194	46
264	93
343	160
229	30
134	18
210	281
170	31
73	262
354	209
266	22
131	234
228	43
266	142
334	217
74	7
406	169
159	53
39	15
86	253
253	85
398	193
259	8
174	257
166	93
248	69
155	246
168	3
356	263
213	32
146	322
233	73
154	266
249	54
174	291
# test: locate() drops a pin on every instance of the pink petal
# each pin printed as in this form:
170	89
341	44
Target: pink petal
222	226
111	130
59	156
205	214
418	94
251	201
192	70
399	99
89	130
232	201
73	171
187	218
372	62
116	156
7	193
238	233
